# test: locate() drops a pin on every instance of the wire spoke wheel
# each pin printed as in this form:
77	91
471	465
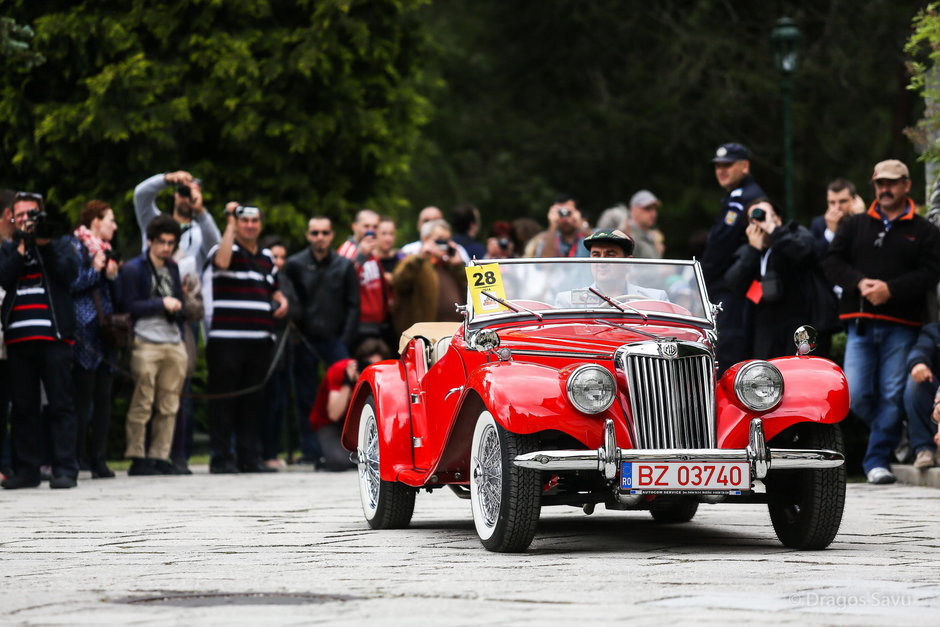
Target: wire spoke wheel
385	504
505	499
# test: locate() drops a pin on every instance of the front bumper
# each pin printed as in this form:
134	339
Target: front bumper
608	458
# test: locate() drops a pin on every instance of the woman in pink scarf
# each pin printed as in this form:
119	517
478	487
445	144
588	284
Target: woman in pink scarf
93	372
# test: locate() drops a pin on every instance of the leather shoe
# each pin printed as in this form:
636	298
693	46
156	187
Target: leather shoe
255	466
100	470
61	482
182	468
20	481
141	467
223	468
163	467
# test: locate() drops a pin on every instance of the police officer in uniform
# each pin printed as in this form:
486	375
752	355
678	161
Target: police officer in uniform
735	327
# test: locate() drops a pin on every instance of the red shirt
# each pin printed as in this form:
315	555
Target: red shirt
332	382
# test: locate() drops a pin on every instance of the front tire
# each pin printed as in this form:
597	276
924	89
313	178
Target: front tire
806	505
385	504
505	499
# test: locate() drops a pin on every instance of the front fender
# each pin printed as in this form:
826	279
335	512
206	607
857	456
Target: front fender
385	381
814	390
527	398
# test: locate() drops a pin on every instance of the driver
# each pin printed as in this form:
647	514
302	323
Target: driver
609	278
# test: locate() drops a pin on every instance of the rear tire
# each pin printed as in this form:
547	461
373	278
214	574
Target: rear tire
505	499
806	505
673	509
385	504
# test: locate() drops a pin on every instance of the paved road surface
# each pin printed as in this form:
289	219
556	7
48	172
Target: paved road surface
292	549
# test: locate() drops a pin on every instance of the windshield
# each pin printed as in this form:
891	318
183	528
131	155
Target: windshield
542	287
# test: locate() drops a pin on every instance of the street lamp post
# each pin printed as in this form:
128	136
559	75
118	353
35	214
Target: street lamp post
785	39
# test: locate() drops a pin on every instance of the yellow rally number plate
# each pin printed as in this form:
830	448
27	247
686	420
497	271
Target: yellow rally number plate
486	279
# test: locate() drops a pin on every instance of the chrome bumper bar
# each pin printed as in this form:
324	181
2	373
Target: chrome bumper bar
608	458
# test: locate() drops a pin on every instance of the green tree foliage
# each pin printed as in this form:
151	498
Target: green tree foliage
606	97
14	44
924	47
300	106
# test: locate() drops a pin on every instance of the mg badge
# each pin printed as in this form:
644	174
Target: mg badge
669	349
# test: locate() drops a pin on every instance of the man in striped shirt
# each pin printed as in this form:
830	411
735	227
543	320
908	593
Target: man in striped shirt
241	333
38	323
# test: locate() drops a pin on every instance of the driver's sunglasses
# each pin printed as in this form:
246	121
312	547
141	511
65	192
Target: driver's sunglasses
317	233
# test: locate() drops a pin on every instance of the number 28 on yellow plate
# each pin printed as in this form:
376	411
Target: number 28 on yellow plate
486	279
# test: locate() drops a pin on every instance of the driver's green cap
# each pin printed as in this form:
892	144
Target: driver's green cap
611	236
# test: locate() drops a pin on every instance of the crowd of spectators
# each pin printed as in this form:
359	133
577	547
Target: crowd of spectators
271	320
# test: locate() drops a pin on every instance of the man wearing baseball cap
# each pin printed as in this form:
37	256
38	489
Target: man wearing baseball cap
644	209
886	260
735	331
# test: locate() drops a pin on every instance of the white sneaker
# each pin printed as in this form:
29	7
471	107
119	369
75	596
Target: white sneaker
924	459
880	475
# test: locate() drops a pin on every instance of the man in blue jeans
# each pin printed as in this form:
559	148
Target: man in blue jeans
885	260
923	363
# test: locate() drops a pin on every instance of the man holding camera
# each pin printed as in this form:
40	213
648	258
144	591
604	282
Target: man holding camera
152	293
364	226
886	261
564	235
241	337
199	232
36	271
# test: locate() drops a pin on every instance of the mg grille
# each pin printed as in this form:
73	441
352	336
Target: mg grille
672	398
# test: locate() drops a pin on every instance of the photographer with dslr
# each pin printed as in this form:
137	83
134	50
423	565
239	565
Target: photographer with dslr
199	232
775	271
38	325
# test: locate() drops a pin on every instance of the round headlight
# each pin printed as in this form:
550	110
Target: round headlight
759	385
591	389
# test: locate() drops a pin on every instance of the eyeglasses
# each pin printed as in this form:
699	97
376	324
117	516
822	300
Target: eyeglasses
316	233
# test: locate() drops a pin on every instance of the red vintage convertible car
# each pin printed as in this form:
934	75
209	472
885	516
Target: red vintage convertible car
578	382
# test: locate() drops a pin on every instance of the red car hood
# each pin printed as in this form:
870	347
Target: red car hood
588	336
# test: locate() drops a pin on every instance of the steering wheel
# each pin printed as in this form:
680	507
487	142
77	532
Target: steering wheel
628	297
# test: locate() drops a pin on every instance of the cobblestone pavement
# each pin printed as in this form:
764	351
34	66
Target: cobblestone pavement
292	548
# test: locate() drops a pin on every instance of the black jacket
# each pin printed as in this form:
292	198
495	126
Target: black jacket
790	267
727	234
907	259
328	293
59	264
136	285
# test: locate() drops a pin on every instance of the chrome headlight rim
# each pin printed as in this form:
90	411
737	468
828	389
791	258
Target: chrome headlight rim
573	380
739	385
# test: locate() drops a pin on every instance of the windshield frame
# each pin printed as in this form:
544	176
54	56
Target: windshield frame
474	321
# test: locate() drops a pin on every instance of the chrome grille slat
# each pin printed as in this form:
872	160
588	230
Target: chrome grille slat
671	398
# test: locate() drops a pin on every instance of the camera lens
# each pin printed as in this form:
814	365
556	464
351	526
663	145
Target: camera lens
758	215
564	212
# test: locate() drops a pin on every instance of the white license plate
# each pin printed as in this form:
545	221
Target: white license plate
684	477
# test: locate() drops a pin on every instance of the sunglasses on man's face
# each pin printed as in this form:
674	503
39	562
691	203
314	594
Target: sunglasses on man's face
318	233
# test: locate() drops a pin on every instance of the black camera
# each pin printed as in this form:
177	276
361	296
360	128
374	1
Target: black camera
504	243
445	246
37	226
112	255
564	212
184	191
758	215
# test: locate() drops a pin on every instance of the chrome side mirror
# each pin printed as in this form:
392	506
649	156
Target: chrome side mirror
805	338
484	340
